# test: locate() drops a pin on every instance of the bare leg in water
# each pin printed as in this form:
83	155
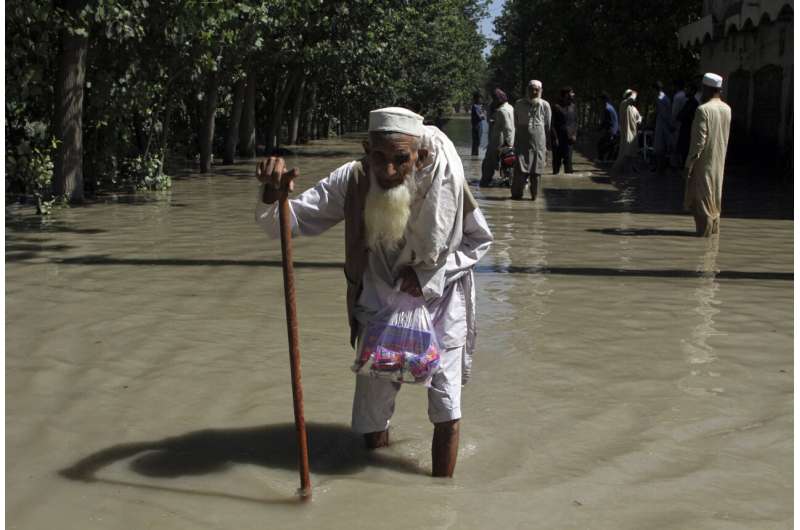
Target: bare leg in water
444	448
375	440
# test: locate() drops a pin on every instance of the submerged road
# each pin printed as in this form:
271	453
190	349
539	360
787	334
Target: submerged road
628	375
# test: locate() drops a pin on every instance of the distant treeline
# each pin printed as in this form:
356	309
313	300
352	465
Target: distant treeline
99	92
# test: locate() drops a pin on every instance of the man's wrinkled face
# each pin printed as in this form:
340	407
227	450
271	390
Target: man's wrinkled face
392	158
534	92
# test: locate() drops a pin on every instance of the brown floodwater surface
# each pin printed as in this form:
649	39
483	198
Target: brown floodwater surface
627	375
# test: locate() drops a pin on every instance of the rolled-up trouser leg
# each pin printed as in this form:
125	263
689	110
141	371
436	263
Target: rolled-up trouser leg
567	154
703	224
488	167
518	183
534	185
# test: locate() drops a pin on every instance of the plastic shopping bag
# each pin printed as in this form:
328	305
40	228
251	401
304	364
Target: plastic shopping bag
401	345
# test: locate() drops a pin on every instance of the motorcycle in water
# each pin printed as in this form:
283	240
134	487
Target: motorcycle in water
507	159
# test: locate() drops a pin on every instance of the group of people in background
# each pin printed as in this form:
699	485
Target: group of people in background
532	127
690	132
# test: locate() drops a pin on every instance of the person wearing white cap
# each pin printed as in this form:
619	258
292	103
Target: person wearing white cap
705	165
532	116
410	224
629	120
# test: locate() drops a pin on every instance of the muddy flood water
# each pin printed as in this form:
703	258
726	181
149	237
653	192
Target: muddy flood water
627	375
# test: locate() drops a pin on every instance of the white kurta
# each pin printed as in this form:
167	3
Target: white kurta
434	244
629	119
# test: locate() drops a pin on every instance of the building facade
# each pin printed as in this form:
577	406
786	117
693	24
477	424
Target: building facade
750	44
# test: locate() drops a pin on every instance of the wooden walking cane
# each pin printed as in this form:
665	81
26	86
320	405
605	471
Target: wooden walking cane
294	343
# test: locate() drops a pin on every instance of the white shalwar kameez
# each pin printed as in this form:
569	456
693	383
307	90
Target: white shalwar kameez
440	244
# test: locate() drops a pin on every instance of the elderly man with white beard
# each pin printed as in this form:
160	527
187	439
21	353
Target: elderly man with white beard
412	224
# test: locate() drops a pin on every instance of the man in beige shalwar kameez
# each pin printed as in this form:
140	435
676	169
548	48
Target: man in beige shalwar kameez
705	164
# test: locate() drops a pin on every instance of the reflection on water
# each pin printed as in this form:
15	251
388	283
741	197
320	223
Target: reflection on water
698	349
627	376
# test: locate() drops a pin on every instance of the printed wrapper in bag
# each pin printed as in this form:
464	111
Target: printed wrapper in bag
400	345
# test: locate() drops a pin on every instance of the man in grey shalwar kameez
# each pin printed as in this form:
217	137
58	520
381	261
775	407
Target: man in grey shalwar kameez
532	117
705	165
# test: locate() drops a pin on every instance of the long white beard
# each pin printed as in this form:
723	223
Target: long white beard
386	213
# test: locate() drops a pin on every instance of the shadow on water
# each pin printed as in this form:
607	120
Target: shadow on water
328	154
16	247
745	195
601	180
480	269
604	201
43	224
27	251
185	262
237	171
495	198
636	273
21	256
333	450
642	232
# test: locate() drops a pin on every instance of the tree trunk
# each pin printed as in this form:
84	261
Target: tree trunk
298	105
273	137
165	129
247	127
308	116
69	89
232	134
207	125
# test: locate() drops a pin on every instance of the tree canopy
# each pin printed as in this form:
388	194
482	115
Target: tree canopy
591	45
195	77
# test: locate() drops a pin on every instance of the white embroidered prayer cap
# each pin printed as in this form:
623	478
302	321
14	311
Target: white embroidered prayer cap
396	119
628	93
712	80
535	83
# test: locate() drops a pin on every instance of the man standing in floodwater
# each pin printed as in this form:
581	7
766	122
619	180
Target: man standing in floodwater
705	165
501	134
531	128
565	130
629	120
609	129
410	224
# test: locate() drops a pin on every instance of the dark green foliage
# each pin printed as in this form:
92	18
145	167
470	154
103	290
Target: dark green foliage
150	61
591	45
